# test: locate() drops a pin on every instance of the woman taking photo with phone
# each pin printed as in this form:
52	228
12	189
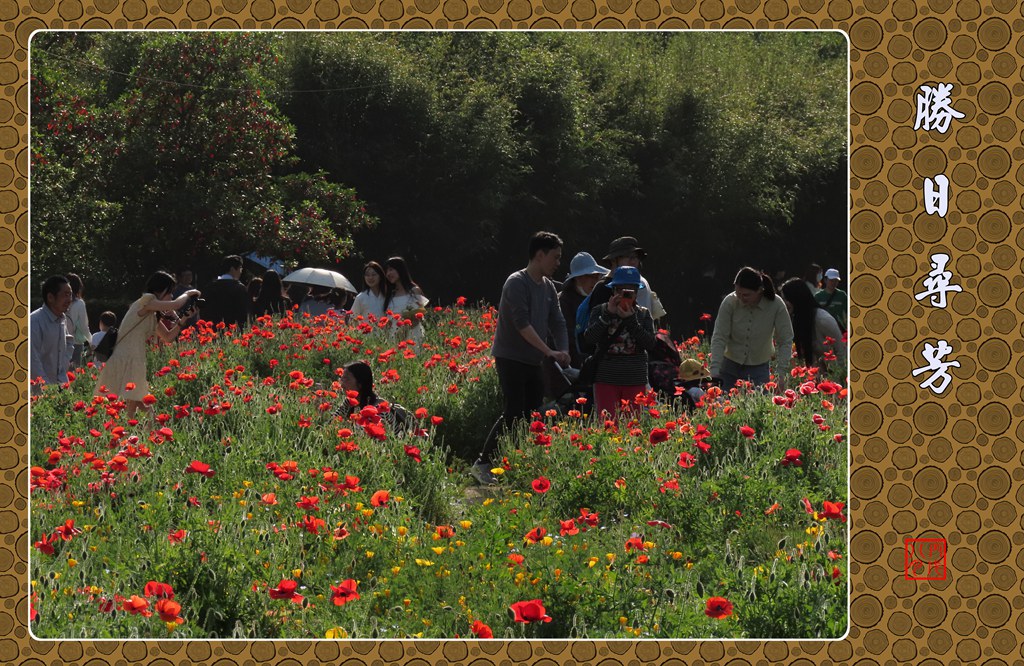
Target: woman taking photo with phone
619	335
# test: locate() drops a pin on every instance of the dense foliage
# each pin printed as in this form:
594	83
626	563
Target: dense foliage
715	149
248	510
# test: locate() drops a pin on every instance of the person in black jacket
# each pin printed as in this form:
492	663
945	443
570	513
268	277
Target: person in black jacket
227	299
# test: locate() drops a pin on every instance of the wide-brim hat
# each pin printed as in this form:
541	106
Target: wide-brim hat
620	247
691	369
584	264
626	275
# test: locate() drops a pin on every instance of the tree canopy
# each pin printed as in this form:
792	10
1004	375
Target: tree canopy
714	149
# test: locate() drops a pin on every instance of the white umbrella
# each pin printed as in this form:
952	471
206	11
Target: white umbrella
321	277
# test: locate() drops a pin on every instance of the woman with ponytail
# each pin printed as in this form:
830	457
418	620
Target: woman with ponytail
749	319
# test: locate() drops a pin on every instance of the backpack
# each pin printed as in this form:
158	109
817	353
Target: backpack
664	363
106	346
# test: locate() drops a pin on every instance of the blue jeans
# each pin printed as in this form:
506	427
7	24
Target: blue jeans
731	372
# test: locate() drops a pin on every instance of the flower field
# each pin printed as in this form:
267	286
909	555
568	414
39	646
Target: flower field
248	510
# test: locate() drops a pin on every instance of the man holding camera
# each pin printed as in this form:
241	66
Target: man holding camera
227	299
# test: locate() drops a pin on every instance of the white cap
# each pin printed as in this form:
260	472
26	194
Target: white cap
832	274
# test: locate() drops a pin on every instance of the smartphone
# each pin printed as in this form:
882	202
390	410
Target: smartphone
628	295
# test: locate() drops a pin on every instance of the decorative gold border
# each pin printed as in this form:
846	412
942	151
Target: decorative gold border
923	464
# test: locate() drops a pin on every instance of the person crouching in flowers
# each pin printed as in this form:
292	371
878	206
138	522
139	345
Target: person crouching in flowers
691	384
812	327
620	333
357	384
153	313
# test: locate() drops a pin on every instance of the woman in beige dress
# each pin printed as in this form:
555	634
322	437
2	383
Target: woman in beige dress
127	363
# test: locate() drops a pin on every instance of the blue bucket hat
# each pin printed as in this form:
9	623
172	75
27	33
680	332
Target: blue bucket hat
584	264
626	275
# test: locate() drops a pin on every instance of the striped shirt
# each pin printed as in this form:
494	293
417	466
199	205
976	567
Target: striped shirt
624	362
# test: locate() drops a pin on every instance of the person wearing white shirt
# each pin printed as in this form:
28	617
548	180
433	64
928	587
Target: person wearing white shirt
370	301
77	320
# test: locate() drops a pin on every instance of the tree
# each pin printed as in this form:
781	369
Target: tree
184	151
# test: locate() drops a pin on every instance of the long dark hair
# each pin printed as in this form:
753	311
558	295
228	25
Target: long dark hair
271	298
364	377
805	311
384	286
398	263
753	279
159	282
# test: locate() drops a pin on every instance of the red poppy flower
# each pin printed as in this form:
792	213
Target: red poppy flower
807	505
268	499
481	630
589	517
413	452
792	457
747	431
535	535
834	511
45	544
422	413
436	420
137	606
380	498
541	484
634	543
686	460
312	524
308	503
177	537
444	531
718	608
197	467
286	590
568	527
340	533
149	399
344	593
515	559
67	530
530	611
772	509
836	573
161	590
659	523
169	610
658	435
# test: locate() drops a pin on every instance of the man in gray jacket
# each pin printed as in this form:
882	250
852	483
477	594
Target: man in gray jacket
527	314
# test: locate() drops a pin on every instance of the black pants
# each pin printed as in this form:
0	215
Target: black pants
522	389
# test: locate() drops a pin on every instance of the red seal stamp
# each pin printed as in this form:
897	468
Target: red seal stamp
924	559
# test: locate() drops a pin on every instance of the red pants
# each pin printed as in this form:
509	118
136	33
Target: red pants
607	397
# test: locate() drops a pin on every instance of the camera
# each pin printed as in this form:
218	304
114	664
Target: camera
190	307
184	312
